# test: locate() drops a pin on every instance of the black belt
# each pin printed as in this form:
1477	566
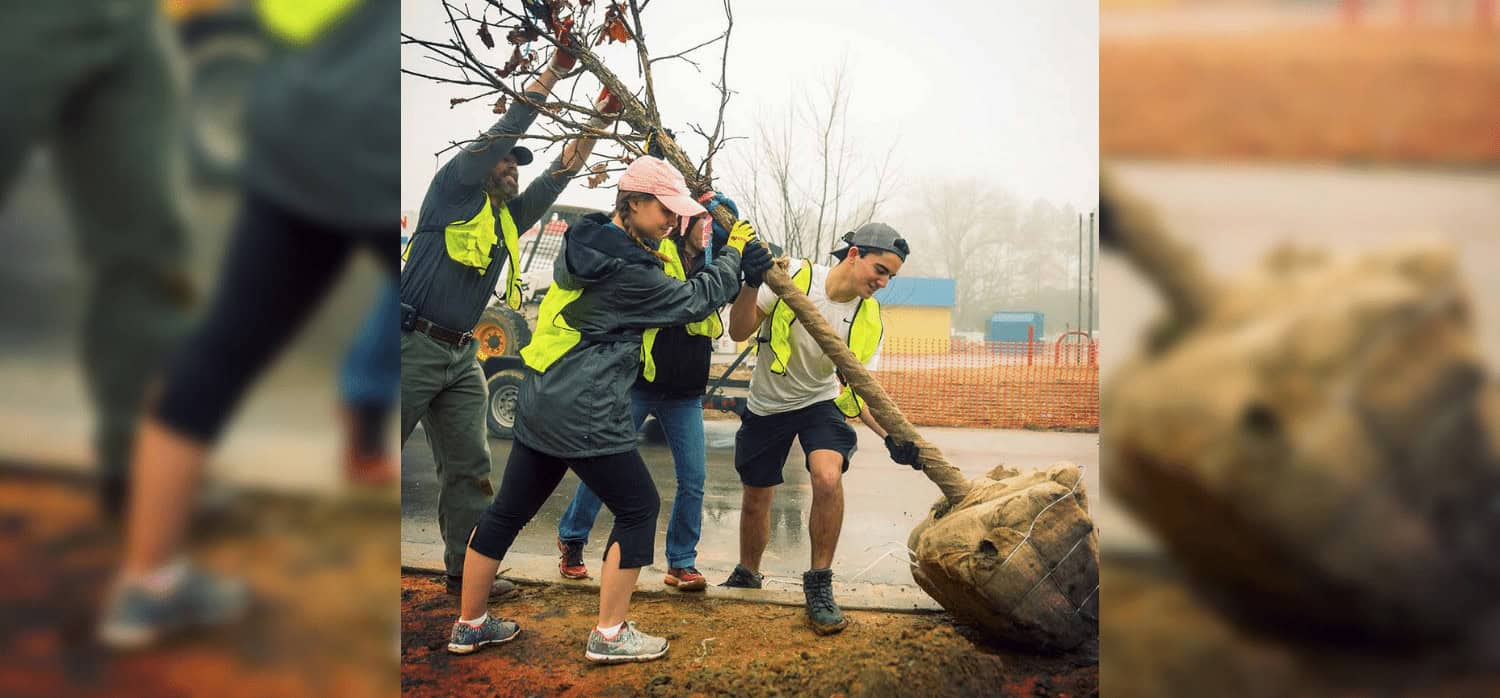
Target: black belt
442	334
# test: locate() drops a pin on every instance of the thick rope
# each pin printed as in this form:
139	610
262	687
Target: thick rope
948	478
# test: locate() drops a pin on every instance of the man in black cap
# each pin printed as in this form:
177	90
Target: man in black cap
464	246
795	392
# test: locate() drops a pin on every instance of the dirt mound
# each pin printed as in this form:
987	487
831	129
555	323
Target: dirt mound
324	617
721	648
1161	638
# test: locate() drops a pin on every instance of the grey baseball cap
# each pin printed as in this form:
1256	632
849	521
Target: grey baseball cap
878	236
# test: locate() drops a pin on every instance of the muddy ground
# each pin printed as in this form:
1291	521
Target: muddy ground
324	621
1160	637
720	647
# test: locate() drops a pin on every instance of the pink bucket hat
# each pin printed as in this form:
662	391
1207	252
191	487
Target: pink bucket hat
650	175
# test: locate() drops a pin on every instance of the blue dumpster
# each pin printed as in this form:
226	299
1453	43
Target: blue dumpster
1010	326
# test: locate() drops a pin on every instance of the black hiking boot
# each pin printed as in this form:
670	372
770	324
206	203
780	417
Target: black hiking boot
742	578
822	613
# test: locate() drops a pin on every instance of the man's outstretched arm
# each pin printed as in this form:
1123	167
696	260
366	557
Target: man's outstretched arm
475	160
533	203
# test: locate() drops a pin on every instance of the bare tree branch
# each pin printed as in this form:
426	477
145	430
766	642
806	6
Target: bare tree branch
683	54
717	140
643	59
575	30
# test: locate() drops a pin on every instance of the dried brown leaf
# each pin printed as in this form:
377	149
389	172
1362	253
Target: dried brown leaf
615	29
522	35
510	66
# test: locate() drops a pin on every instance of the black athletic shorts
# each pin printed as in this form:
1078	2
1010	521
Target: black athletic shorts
763	442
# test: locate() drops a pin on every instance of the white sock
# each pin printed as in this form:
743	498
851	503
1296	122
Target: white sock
610	632
162	580
476	622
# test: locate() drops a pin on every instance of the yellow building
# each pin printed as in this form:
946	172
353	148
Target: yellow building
918	314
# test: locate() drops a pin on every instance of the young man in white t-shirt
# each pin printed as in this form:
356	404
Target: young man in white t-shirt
792	395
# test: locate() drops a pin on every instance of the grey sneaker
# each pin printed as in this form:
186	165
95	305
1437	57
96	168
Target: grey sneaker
742	578
822	613
465	638
630	645
134	617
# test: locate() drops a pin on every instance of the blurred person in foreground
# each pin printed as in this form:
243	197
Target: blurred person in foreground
369	386
94	81
322	179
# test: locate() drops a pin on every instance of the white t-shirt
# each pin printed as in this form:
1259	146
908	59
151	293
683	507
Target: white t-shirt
809	376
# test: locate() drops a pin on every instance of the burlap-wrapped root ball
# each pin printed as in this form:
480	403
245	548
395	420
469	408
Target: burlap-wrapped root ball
1018	555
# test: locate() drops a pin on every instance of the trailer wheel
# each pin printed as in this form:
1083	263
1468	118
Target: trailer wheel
505	391
500	332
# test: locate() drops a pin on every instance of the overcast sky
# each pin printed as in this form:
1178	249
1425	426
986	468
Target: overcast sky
1003	91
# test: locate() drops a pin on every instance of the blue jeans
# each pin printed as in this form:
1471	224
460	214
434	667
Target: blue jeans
371	375
682	421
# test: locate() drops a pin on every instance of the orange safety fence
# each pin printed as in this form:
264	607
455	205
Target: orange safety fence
995	385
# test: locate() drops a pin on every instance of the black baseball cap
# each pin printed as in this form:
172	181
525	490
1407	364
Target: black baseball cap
875	236
523	155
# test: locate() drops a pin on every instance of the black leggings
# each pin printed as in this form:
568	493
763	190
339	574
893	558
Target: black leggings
621	481
278	267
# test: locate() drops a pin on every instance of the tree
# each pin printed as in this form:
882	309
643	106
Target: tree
576	29
806	177
1004	254
970	229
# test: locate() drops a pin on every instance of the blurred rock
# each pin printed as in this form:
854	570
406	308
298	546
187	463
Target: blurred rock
1316	448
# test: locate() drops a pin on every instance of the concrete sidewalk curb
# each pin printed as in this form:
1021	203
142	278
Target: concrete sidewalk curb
540	570
348	498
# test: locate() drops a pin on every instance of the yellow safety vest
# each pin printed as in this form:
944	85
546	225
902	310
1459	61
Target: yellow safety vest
865	332
299	22
709	326
469	243
554	336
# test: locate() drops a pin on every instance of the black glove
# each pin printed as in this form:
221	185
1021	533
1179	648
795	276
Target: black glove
903	452
754	264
